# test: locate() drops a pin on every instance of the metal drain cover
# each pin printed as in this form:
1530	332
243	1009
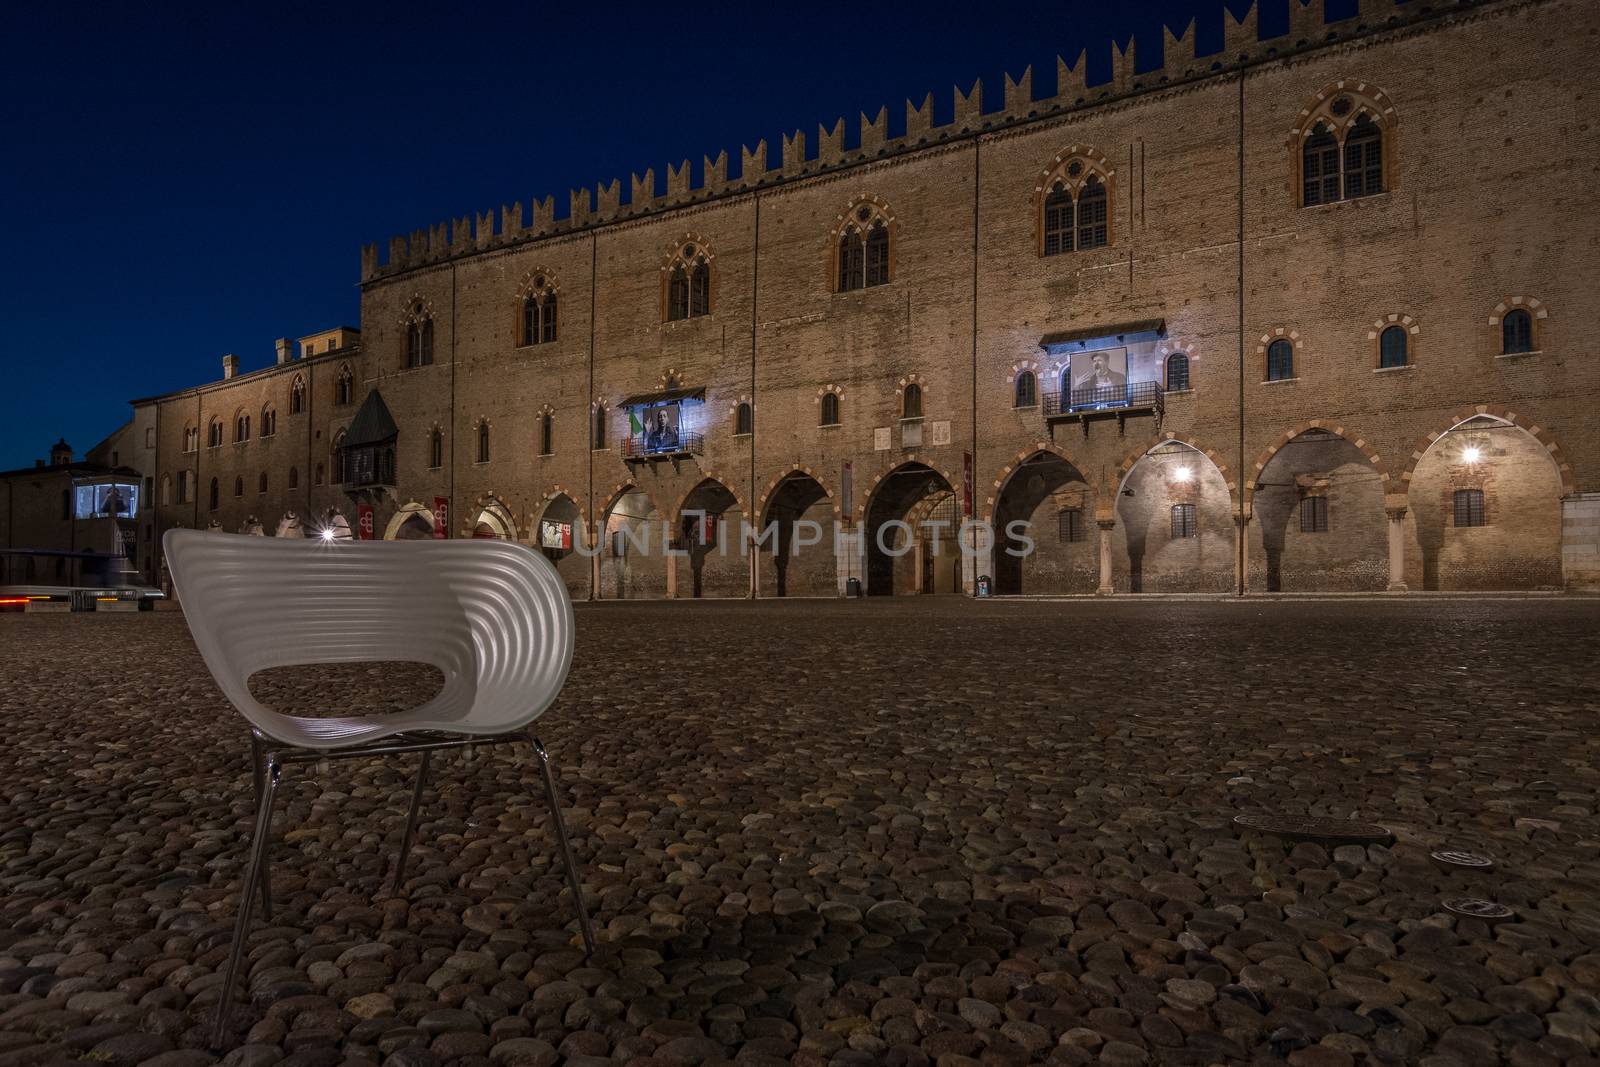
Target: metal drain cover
1455	858
1473	908
1314	828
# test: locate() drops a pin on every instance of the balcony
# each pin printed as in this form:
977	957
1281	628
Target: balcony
1136	398
643	448
368	468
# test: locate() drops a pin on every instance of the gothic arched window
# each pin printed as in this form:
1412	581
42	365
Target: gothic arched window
911	403
830	409
688	292
1340	147
1280	360
1027	391
1177	372
1075	209
862	256
1392	345
1516	332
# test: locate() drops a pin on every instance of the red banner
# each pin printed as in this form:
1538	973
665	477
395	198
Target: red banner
364	521
441	517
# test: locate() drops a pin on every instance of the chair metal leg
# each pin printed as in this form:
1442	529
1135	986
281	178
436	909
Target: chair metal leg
411	826
258	758
566	845
247	896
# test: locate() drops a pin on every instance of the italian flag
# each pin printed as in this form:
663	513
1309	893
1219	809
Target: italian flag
634	425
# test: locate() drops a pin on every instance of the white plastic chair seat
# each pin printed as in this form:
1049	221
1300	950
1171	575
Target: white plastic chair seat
492	616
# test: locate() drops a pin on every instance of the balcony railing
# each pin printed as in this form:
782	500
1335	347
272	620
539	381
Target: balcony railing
1113	400
646	446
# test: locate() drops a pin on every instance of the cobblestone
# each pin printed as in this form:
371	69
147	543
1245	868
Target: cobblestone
913	832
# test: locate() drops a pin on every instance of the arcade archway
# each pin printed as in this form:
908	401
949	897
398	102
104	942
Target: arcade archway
708	530
558	533
632	556
1175	525
800	559
1317	517
1044	529
912	525
1483	509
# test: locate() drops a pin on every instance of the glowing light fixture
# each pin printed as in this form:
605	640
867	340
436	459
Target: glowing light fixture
1470	453
1183	474
327	534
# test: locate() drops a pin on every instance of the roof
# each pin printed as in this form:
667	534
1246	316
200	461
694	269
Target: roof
373	424
1090	338
663	397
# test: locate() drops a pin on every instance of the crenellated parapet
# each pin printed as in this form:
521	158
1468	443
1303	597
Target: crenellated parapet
1308	29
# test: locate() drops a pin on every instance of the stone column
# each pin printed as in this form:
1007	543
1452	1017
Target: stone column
1397	549
1106	526
672	572
1241	555
594	562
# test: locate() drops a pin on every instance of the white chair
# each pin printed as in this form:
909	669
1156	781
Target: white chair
492	616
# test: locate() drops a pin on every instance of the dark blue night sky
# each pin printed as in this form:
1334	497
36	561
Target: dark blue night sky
182	184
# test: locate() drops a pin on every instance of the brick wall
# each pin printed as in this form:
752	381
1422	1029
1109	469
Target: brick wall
1446	248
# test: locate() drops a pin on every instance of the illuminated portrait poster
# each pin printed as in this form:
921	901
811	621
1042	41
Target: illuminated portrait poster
658	426
100	501
1101	375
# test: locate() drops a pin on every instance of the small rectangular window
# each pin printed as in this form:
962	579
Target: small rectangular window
1070	525
1183	521
1469	507
1314	514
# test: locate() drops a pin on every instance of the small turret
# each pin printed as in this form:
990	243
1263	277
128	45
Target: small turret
60	453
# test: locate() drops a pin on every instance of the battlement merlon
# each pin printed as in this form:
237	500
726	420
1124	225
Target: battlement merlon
1308	28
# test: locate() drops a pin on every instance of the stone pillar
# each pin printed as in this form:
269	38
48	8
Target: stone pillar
1106	526
672	572
1241	555
1580	542
1397	549
594	571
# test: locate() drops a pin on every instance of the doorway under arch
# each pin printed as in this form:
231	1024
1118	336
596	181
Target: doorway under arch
906	552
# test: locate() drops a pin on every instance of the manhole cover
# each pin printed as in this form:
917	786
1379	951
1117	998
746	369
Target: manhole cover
1473	908
1466	861
1312	828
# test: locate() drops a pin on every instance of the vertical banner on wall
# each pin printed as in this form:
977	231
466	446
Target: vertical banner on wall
966	484
364	521
441	517
847	505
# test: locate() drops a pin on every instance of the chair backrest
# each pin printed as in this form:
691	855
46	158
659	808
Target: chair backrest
492	616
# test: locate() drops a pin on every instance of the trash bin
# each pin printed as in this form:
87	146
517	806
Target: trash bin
852	587
983	585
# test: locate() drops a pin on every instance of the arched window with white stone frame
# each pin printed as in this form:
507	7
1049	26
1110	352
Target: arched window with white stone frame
1343	146
687	280
862	246
1073	201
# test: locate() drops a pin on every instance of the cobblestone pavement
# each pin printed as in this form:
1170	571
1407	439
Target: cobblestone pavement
836	833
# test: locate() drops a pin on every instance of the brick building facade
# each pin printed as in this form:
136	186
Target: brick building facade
1327	287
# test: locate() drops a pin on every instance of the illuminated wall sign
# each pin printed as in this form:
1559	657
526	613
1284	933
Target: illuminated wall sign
109	500
555	534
